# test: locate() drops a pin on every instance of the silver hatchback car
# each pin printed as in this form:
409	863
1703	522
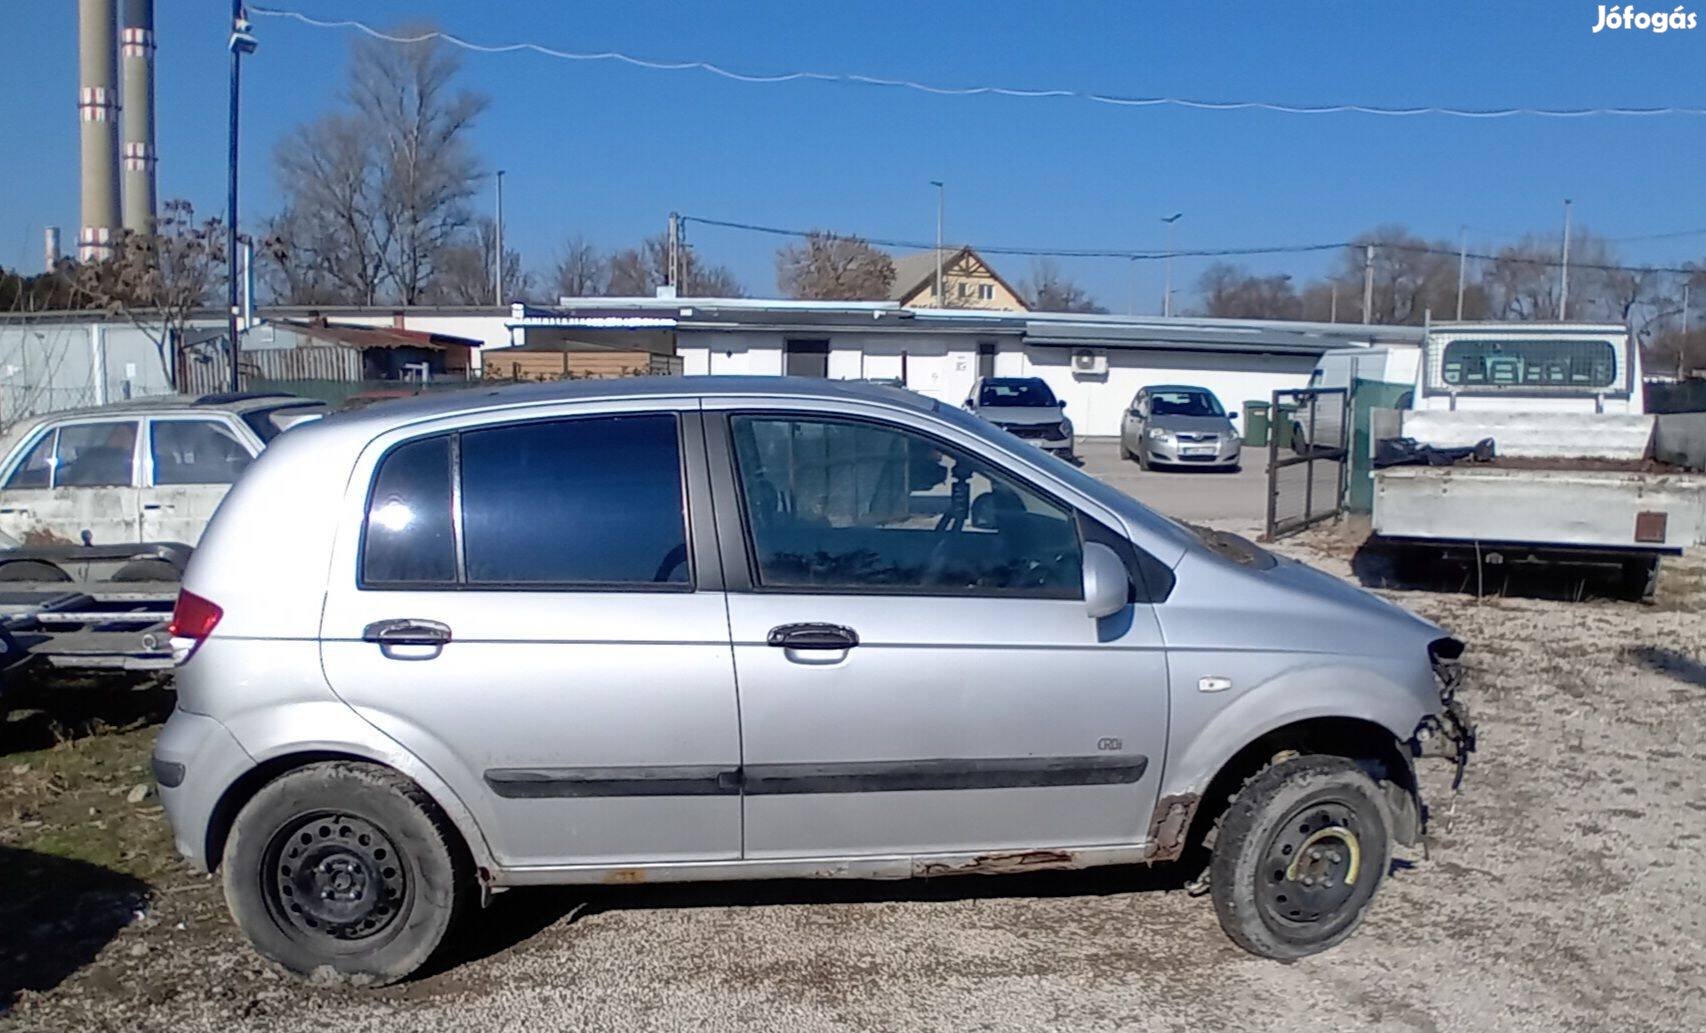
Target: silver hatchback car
493	639
1178	425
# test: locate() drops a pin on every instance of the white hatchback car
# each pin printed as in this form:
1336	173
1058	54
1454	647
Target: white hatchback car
148	470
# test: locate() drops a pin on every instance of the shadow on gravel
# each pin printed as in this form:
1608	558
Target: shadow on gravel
518	915
1393	565
1680	666
55	916
39	711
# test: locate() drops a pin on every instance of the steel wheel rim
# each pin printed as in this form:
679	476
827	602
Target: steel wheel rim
1313	868
336	880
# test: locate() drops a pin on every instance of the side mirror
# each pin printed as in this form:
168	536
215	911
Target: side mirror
1232	416
1063	403
1106	584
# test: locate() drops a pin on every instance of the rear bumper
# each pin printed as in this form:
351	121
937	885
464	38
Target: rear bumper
195	760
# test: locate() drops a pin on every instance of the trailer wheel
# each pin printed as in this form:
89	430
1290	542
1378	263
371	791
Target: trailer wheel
1641	578
148	570
32	570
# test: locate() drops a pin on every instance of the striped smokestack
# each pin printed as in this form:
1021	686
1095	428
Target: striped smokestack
136	60
97	115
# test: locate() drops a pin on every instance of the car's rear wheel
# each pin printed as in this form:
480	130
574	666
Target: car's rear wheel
344	870
1298	857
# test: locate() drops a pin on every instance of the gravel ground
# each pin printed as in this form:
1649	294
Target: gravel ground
1564	889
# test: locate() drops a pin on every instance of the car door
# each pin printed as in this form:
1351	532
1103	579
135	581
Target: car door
190	463
76	477
529	616
918	672
1131	424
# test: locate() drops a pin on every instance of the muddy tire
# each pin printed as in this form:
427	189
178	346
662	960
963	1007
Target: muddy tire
345	871
1299	856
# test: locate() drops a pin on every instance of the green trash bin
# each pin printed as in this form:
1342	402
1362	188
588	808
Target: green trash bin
1256	424
1284	426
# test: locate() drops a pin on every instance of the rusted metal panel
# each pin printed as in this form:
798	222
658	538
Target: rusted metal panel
1000	863
1171	826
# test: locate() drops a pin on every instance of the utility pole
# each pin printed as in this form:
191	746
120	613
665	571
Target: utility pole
1564	276
1462	266
672	272
1685	308
242	42
1167	285
498	247
1367	283
941	202
1333	306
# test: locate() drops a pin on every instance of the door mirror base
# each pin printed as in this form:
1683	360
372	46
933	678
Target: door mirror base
1107	586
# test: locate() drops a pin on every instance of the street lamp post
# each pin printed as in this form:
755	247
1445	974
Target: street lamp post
941	201
1167	287
1564	276
242	42
498	247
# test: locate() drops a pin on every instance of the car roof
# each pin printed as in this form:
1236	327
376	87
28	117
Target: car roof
237	403
1177	387
476	399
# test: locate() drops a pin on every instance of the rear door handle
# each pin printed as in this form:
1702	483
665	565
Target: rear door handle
155	505
408	638
813	636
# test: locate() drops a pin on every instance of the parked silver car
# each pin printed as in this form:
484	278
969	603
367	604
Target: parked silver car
147	470
1025	408
1179	425
464	643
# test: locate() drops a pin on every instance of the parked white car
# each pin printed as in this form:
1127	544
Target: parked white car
149	470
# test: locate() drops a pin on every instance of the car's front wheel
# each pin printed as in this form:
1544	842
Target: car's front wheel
344	870
1298	857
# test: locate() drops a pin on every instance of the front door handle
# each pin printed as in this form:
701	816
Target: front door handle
408	638
813	636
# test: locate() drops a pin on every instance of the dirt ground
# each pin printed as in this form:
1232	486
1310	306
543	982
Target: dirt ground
1565	888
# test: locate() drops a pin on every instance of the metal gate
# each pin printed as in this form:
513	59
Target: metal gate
1308	458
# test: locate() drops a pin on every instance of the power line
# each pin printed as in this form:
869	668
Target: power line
855	79
1033	252
1131	255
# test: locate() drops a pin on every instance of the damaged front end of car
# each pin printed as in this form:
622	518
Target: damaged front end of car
1450	733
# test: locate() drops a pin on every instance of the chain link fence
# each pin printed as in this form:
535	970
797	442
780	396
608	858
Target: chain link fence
1308	458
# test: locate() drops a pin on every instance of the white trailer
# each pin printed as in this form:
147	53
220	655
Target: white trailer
1574	478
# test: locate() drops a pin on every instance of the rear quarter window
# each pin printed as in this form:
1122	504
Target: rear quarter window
409	539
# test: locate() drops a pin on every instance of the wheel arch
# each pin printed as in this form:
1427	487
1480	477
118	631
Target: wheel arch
244	788
1188	818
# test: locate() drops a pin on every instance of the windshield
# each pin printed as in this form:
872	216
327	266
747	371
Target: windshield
1021	391
1184	403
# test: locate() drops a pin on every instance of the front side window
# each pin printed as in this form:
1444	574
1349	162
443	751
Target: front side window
861	507
196	452
35	470
593	501
96	455
1587	365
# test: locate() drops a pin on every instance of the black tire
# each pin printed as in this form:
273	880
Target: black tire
1312	818
32	570
148	570
331	828
1143	462
1641	579
1125	453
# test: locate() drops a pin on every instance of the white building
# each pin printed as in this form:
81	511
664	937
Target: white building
1096	363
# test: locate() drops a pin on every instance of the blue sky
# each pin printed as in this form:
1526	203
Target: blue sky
607	150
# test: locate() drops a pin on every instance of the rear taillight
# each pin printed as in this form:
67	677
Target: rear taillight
193	619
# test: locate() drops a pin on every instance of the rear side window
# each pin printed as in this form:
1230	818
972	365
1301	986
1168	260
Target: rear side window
410	540
566	503
587	501
196	452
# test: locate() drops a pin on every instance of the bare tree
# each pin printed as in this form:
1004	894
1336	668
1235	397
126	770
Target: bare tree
830	267
1233	292
581	271
465	272
640	271
376	195
158	280
1050	290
